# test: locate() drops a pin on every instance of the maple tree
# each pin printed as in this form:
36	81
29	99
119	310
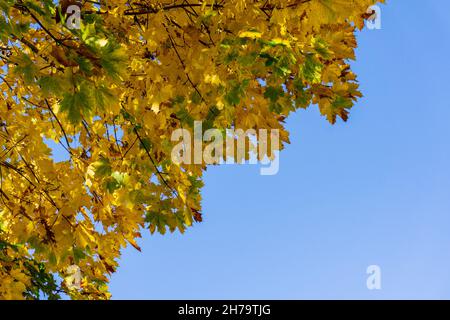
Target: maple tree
111	93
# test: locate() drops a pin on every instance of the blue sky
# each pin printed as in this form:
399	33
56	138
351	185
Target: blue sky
375	190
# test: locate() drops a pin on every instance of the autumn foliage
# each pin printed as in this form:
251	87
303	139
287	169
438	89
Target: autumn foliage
110	94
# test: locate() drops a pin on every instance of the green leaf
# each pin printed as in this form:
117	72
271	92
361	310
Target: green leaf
103	97
102	167
116	181
273	93
78	104
185	117
112	60
78	254
237	91
85	64
26	67
321	47
312	69
50	84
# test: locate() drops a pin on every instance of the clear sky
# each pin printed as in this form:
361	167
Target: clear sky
373	191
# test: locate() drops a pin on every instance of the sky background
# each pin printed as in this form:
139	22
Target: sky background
373	191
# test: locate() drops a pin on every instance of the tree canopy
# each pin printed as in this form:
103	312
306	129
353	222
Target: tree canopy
111	91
